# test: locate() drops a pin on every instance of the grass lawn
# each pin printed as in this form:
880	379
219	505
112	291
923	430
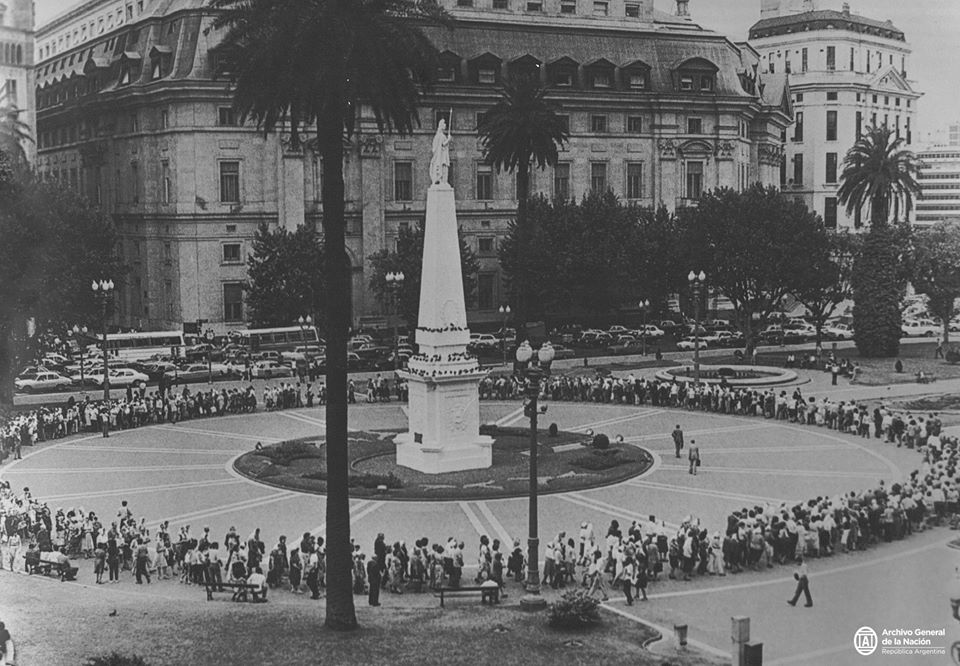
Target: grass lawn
565	464
58	624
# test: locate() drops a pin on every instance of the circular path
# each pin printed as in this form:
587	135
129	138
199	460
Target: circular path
184	473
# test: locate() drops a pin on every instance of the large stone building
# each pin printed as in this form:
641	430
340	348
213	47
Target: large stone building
939	180
847	72
16	62
130	113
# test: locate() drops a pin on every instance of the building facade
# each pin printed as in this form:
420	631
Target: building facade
939	180
847	73
16	63
131	113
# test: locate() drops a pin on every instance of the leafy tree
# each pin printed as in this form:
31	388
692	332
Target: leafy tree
522	130
659	268
347	54
53	244
753	247
825	282
14	133
936	270
285	276
408	259
878	173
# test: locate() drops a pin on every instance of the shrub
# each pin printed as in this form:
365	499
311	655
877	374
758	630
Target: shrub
953	355
878	285
600	441
489	429
553	430
573	610
599	460
115	659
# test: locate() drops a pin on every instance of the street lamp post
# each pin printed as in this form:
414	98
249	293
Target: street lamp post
505	313
696	281
80	335
103	290
532	374
305	324
644	306
394	285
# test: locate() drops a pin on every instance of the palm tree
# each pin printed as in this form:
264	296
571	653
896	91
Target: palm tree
521	130
319	60
878	173
14	133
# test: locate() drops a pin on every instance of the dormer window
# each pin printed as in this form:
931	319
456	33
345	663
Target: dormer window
600	74
563	73
449	69
697	74
636	76
156	71
485	70
125	74
601	79
446	74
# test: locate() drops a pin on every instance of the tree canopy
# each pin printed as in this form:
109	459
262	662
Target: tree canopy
878	173
936	270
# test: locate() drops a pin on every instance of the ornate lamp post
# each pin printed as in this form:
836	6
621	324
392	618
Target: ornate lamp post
696	281
644	306
103	290
80	335
394	285
305	324
505	313
532	374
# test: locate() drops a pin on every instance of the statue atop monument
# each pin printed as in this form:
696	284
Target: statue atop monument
440	162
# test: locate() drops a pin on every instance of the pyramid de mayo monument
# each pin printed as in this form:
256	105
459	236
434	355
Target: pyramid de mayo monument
444	405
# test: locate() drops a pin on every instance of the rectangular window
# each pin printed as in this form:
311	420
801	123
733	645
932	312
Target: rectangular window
783	172
799	97
134	123
167	253
166	185
480	116
831	97
798	127
632	10
568	6
230	182
830	212
486	75
446	74
634	180
601	79
803	60
638	81
486	290
231	253
464	3
694	126
851	59
561	181
233	301
831	58
168	297
164	119
500	4
226	116
634	124
484	182
831	125
403	181
798	169
694	179
909	134
485	247
831	167
601	8
134	182
535	5
686	81
859	122
598	123
706	83
598	176
786	64
441	114
11	92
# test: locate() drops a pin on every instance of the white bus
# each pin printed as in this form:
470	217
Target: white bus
141	346
285	338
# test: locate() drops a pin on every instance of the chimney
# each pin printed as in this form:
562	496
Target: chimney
846	9
682	9
769	8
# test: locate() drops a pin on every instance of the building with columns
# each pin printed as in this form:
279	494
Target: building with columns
16	62
847	72
131	113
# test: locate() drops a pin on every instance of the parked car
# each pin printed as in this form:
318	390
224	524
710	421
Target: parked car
690	343
594	338
123	377
730	339
668	326
270	370
561	352
650	332
302	353
483	342
616	331
625	344
41	381
838	332
920	328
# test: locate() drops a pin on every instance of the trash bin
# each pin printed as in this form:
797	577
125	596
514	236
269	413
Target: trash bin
753	654
681	632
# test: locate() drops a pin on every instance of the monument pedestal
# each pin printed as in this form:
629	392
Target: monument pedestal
444	405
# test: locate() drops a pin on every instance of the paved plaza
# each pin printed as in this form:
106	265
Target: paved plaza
184	473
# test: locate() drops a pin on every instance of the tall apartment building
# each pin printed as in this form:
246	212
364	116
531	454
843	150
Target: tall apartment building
16	62
847	72
659	110
939	180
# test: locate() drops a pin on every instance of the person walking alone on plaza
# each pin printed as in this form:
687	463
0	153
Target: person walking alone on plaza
677	435
373	577
802	576
694	456
628	578
597	573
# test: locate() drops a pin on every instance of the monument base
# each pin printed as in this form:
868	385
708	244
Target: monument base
437	458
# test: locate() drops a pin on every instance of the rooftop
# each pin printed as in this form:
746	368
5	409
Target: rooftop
824	18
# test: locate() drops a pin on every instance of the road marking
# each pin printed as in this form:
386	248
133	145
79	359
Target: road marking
720	494
668	634
609	509
809	657
93	470
472	517
775	472
228	508
505	537
355	515
511	418
213	433
146	449
136	490
26	456
303	418
891	467
708	431
618	420
800	448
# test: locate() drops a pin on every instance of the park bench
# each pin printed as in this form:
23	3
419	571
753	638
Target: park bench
239	590
50	566
491	594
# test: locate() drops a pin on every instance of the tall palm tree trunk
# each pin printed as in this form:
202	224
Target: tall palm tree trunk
522	307
340	610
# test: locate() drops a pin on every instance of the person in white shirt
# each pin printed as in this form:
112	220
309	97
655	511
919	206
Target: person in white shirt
257	578
802	576
597	582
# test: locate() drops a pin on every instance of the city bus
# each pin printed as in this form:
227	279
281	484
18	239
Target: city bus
285	338
141	346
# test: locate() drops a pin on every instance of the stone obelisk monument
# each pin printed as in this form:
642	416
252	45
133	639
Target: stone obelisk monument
444	406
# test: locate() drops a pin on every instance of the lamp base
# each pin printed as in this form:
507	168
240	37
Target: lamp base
533	603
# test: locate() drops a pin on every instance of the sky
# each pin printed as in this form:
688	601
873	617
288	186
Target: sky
932	28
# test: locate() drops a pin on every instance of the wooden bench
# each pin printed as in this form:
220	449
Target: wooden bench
486	593
239	590
49	566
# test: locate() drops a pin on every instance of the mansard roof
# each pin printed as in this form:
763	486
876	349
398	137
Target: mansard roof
821	19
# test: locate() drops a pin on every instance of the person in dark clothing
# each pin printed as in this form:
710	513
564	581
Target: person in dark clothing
113	559
373	577
380	552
